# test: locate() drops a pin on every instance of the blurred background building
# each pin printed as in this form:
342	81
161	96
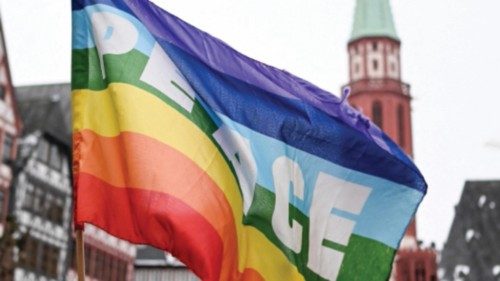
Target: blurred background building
152	264
35	179
10	125
42	195
42	192
472	251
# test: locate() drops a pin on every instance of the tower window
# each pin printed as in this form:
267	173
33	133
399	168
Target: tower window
375	64
420	271
356	68
374	46
2	196
8	143
377	114
401	126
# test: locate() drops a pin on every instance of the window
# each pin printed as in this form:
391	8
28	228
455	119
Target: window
8	142
38	201
375	64
2	92
55	158
107	266
45	203
54	257
114	269
55	210
374	46
29	197
101	265
65	166
377	116
43	150
2	198
122	270
98	265
29	254
420	271
50	154
39	257
401	126
50	259
88	254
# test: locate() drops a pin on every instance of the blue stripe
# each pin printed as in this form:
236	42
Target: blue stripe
293	122
82	28
385	215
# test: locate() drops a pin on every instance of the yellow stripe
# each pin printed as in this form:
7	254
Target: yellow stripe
123	107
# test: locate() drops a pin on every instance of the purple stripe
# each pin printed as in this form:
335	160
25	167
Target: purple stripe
221	57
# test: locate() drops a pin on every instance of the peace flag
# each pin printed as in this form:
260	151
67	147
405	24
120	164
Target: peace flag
240	170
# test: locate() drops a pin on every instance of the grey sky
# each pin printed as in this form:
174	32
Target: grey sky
450	56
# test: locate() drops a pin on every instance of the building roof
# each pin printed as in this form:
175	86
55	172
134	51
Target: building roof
373	18
46	108
471	251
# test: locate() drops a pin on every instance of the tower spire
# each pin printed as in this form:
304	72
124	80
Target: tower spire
373	18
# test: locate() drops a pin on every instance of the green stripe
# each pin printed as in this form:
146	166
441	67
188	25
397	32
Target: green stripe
364	259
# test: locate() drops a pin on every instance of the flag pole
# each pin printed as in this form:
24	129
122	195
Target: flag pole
80	255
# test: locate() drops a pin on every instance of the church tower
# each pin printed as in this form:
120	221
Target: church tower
378	91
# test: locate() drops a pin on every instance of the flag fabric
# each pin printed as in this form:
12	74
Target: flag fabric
240	170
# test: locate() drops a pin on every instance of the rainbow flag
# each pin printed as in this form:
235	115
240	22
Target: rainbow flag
240	170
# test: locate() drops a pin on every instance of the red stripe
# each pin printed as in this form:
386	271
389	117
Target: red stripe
149	217
137	161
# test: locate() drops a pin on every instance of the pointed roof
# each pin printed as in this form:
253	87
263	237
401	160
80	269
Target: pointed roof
373	18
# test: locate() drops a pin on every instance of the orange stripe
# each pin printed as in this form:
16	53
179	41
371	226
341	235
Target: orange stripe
137	161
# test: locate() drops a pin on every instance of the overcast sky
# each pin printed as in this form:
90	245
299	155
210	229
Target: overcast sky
450	56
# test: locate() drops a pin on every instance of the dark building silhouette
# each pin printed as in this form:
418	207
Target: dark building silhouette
472	251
